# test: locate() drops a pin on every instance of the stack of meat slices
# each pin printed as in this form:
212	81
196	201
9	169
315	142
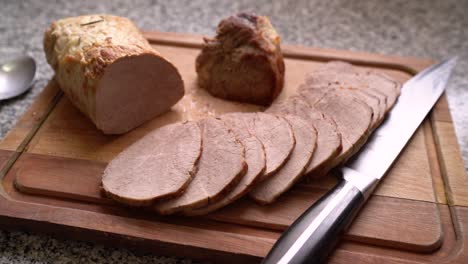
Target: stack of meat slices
194	168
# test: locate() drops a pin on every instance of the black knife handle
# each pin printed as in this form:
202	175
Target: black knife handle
311	238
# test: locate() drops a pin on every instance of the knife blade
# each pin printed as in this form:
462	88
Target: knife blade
312	237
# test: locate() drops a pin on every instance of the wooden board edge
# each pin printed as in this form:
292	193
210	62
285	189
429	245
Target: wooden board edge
451	163
154	236
409	65
52	96
40	217
438	187
6	162
441	110
451	251
20	189
37	113
459	253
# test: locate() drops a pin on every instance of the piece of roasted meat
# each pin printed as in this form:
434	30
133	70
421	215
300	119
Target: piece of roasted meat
243	62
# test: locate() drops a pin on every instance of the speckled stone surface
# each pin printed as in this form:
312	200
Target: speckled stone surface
431	29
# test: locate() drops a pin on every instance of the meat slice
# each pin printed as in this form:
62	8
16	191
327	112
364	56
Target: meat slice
377	101
243	62
352	117
110	72
220	168
384	84
347	76
274	132
328	138
306	138
255	159
368	99
373	98
159	165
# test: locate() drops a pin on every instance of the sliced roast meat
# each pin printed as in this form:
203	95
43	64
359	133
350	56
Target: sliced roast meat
275	134
342	76
220	168
255	159
370	101
328	138
243	62
384	84
352	117
378	102
306	138
347	76
375	99
159	165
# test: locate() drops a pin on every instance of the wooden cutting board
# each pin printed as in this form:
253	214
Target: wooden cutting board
51	163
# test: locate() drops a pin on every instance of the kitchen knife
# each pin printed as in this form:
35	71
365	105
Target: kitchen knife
312	237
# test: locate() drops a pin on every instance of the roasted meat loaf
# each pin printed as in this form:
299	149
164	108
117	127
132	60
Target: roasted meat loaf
243	62
110	72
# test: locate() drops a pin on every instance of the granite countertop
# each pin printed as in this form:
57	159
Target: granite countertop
429	29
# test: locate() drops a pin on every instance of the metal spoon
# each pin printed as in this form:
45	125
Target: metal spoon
16	76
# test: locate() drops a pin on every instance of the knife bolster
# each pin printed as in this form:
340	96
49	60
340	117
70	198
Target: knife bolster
364	183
